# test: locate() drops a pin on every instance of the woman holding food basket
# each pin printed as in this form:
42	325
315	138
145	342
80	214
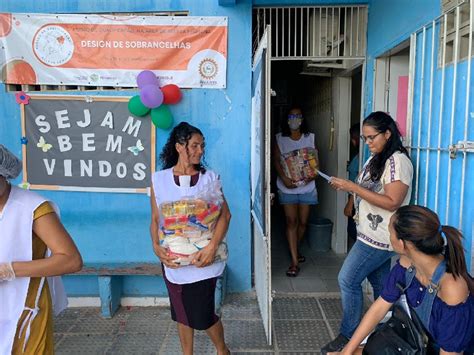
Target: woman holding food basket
295	159
190	218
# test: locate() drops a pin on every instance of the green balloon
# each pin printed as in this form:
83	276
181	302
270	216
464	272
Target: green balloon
136	107
161	117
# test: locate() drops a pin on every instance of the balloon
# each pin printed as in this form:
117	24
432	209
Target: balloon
171	93
151	96
162	117
136	107
146	77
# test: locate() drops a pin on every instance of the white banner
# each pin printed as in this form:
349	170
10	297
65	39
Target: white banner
106	50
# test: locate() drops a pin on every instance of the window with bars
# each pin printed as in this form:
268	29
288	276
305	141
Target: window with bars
456	31
62	88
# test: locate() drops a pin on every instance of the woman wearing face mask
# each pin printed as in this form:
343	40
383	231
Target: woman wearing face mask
383	185
29	226
296	198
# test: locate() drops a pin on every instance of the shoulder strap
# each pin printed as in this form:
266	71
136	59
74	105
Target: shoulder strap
424	309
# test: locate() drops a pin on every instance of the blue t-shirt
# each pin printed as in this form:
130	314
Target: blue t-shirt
353	168
452	327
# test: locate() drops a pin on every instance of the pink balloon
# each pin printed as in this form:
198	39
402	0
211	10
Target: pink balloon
151	96
146	77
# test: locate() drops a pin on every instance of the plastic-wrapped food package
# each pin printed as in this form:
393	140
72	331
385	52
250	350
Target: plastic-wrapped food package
300	165
187	225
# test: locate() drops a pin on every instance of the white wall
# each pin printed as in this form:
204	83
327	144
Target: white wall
327	108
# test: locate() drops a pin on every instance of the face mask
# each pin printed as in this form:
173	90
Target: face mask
294	124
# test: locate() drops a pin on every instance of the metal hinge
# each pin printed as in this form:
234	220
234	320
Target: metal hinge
273	93
461	146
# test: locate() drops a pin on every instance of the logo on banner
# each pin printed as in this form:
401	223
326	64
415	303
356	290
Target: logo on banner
53	45
208	68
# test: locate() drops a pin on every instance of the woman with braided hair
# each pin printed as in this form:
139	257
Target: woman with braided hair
432	256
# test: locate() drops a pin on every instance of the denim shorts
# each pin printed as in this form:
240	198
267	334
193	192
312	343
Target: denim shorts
309	198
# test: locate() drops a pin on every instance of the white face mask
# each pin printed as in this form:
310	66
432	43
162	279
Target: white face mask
294	124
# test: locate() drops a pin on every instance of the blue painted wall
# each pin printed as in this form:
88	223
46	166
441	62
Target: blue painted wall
111	227
391	23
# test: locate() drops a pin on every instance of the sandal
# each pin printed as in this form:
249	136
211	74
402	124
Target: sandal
293	271
301	258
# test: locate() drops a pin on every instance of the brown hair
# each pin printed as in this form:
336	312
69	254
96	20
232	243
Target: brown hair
421	226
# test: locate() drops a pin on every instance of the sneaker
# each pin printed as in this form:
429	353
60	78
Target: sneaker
336	345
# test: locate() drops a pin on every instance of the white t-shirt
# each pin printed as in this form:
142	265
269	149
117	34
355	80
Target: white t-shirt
166	190
372	221
286	145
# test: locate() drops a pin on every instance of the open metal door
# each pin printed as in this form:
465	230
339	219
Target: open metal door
260	179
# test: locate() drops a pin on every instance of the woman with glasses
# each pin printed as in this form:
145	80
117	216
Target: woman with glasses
383	185
295	196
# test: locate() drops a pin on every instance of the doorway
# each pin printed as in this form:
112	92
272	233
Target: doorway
331	103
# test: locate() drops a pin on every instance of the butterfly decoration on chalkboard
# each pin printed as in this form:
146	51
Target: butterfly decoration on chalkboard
43	145
136	149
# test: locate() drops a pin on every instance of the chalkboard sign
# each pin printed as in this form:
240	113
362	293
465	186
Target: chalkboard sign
86	144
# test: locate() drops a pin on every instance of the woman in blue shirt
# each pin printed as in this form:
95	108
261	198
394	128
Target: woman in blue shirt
424	244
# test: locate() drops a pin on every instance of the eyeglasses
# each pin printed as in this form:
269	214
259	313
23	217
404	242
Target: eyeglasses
295	115
369	138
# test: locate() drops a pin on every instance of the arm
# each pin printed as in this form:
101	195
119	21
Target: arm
206	255
160	252
276	162
443	352
64	259
390	200
349	206
374	315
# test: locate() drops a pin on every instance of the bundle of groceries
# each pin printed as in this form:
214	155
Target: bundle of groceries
187	226
300	165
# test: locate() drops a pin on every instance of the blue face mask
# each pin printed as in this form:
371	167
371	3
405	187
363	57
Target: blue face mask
294	124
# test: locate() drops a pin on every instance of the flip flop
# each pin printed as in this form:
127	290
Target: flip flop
292	271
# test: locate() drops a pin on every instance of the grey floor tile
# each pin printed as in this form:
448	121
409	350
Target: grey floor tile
87	325
335	324
141	343
245	335
332	307
148	313
301	284
202	344
281	284
84	344
63	326
301	335
293	308
328	272
155	328
332	285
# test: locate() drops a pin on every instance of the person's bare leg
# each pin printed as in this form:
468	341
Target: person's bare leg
216	333
186	336
303	215
291	214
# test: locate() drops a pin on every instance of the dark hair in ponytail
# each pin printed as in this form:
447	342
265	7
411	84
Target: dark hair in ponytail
181	134
421	226
382	123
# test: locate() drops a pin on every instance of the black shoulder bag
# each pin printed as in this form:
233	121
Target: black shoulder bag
403	334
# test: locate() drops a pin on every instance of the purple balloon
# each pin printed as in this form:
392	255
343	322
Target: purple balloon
151	96
145	78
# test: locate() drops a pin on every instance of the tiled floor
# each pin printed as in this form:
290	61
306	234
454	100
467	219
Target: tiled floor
318	273
302	325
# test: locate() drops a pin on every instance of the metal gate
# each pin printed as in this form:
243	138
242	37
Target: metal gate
441	118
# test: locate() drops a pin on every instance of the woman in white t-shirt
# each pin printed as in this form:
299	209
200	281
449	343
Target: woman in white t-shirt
296	198
191	288
383	185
